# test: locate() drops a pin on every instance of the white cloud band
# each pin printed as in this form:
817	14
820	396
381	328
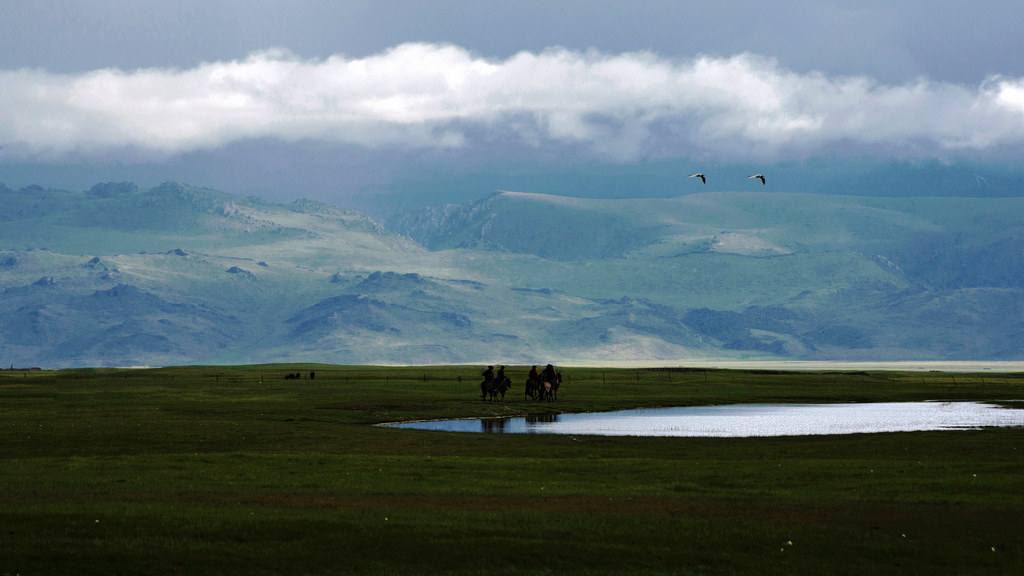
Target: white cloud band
422	95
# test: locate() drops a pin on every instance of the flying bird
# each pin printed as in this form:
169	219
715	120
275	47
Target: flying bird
698	175
758	176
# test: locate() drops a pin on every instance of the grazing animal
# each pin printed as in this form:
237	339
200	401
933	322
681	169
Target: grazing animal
758	176
698	175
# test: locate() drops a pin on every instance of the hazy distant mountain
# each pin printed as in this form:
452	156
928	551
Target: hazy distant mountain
176	274
548	226
667	178
807	276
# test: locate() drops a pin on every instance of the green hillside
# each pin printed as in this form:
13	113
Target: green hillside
180	275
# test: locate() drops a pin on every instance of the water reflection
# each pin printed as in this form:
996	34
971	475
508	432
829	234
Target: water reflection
542	418
749	420
493	424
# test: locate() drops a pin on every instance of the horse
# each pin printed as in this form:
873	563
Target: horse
549	389
533	387
494	388
501	387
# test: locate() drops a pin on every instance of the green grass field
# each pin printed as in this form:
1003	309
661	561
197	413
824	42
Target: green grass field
217	470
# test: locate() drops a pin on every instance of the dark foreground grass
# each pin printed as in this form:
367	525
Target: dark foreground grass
235	470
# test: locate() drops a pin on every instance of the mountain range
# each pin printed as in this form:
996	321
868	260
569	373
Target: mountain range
178	274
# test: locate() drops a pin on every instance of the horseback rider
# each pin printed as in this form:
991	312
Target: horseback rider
489	374
549	373
533	372
501	374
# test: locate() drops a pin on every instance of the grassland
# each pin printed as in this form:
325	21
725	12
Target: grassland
218	470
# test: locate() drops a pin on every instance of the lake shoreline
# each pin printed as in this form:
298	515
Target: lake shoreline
956	366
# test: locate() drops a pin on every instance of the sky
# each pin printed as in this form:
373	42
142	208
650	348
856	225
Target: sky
402	102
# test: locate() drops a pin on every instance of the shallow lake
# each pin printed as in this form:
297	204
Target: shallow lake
744	420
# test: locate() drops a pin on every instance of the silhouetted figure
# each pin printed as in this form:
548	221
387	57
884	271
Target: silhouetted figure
312	375
549	373
548	379
488	383
533	372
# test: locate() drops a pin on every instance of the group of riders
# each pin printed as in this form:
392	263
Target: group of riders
539	385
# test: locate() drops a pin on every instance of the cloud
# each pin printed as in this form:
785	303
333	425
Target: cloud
419	95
